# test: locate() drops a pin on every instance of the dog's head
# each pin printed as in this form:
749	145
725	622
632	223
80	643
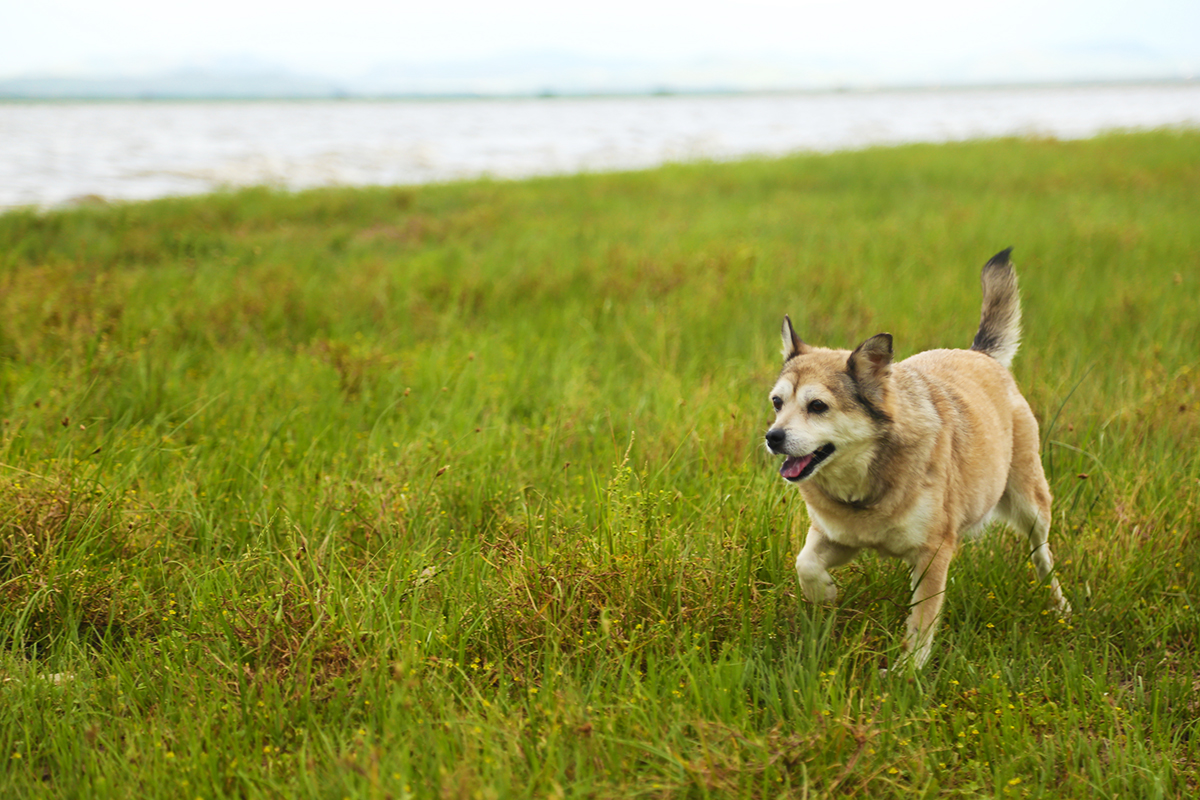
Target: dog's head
831	406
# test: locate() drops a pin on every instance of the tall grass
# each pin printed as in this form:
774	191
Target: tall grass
458	491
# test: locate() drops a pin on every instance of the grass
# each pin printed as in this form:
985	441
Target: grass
457	491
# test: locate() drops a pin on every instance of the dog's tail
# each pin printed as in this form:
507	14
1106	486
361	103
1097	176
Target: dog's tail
1000	323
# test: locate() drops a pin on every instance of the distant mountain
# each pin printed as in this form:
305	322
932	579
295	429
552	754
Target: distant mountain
183	83
564	73
548	73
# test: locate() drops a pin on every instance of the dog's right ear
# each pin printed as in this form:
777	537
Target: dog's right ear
793	345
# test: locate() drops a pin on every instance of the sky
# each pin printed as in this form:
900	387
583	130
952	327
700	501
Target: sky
343	38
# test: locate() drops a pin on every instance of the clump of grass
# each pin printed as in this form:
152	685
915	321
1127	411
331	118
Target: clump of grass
456	490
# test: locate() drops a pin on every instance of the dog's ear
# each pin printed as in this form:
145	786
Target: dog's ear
870	365
793	345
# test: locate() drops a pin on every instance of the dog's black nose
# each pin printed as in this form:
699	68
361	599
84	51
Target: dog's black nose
775	438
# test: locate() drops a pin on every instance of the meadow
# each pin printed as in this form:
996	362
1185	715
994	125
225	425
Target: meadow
458	490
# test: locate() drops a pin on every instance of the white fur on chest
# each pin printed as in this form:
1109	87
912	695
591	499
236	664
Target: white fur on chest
899	536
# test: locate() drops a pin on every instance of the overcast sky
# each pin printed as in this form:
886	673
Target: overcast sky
345	37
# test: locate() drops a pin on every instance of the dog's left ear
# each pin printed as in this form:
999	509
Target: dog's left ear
870	365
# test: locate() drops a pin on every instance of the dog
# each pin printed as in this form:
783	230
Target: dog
905	458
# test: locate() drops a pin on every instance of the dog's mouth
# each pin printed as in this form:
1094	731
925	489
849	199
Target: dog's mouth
797	468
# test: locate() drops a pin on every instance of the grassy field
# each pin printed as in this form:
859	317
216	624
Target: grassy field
458	491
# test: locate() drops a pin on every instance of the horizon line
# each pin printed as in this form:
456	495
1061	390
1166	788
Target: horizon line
553	94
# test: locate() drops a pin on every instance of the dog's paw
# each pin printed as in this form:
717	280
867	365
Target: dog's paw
1060	604
816	584
820	593
904	669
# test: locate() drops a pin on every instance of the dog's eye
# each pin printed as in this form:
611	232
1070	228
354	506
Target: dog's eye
777	402
817	407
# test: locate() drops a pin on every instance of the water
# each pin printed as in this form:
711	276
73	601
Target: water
54	153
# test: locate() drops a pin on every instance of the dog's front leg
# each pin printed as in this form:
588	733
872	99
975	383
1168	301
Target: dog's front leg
929	571
820	554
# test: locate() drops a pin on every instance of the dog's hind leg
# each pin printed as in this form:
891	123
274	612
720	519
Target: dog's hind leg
1031	516
1026	507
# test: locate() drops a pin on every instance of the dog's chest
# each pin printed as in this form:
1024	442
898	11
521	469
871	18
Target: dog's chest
898	535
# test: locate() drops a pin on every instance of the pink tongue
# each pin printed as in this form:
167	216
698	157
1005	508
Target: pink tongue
794	465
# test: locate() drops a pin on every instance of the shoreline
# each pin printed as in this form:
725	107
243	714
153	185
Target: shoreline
56	151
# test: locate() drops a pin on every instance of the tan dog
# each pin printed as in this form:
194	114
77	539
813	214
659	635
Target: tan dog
904	458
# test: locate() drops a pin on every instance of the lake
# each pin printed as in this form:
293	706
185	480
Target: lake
55	153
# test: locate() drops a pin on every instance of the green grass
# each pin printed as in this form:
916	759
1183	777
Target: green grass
457	491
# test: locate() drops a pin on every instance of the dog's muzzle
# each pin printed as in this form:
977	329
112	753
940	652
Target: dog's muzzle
796	468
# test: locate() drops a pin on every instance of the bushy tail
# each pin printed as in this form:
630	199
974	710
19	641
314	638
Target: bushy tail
999	332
